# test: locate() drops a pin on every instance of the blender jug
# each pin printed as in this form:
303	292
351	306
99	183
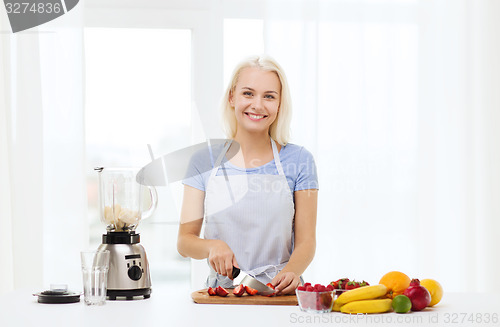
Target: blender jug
123	202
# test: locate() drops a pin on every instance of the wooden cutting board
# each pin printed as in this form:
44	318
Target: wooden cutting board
202	297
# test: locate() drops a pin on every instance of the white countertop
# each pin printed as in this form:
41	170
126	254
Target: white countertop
171	305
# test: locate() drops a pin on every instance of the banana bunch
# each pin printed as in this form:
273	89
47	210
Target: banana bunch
365	299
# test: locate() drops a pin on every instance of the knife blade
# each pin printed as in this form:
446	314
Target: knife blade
250	281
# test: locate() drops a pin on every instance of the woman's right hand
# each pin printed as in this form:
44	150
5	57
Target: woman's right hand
221	258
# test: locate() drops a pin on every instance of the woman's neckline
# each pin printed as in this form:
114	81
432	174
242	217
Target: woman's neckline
258	167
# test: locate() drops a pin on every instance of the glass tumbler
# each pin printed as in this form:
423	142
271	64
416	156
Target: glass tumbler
95	266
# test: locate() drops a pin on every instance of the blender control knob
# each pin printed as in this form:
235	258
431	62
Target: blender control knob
134	273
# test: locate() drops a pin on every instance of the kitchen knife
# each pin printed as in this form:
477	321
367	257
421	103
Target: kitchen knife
236	272
247	280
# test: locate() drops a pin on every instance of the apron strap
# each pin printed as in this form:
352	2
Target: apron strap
219	159
277	160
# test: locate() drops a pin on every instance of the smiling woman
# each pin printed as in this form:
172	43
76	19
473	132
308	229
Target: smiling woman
267	232
255	99
265	83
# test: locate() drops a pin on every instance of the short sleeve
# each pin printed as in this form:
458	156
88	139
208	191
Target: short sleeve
307	177
198	169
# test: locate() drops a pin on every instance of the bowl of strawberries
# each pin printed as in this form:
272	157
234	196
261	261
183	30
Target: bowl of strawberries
315	299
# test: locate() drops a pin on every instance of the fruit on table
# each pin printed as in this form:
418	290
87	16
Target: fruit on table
344	284
336	306
354	284
239	290
419	295
367	306
340	283
396	283
362	293
351	285
434	288
221	291
401	304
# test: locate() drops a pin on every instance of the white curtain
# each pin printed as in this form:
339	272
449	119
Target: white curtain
398	101
6	280
42	189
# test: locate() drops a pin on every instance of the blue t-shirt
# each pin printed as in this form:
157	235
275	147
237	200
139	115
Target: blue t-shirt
298	166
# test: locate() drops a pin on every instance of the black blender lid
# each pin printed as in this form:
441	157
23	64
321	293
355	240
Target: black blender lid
58	296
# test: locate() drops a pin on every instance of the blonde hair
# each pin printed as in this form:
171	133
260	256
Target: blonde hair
280	128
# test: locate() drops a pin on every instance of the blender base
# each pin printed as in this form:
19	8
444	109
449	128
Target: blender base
128	294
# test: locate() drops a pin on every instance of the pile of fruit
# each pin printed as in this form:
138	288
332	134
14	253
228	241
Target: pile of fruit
411	294
395	291
366	299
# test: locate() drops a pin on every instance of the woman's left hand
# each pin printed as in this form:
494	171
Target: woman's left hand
286	282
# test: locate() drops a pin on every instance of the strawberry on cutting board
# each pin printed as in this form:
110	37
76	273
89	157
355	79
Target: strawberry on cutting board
250	291
221	291
239	290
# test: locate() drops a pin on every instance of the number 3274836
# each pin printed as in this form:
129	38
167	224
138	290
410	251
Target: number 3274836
471	318
33	8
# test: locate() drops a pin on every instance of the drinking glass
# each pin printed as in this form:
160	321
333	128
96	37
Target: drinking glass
95	266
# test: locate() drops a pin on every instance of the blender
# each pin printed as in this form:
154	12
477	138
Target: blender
122	205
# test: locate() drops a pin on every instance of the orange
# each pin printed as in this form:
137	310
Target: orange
396	283
434	288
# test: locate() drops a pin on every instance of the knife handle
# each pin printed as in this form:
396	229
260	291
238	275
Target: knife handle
236	272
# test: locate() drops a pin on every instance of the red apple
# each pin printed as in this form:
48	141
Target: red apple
419	295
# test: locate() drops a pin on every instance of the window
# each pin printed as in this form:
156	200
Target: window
138	92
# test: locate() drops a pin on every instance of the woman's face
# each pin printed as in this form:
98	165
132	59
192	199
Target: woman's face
256	99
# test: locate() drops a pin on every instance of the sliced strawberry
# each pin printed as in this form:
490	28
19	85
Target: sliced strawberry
250	290
221	291
271	286
211	291
239	290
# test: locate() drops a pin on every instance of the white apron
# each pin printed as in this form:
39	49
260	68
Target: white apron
253	214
